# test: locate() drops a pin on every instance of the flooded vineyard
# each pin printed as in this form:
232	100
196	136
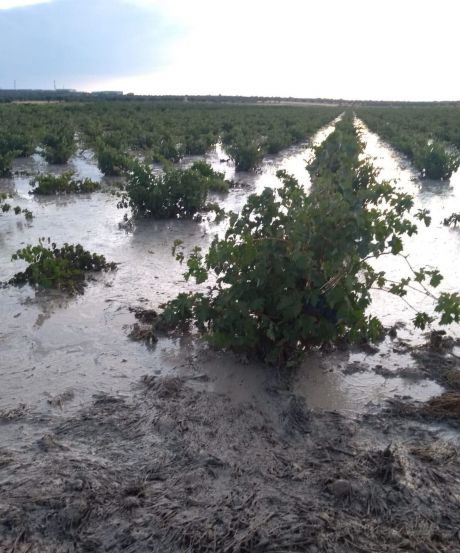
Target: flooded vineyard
51	343
60	343
113	444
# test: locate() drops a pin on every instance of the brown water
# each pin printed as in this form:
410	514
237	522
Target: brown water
49	344
322	379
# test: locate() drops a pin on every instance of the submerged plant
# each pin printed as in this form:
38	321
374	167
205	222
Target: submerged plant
293	269
59	144
436	162
176	193
215	180
14	144
63	268
421	134
5	207
6	161
246	154
111	161
49	184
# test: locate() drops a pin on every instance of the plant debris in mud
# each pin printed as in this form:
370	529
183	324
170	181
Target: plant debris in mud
46	185
443	407
14	414
437	360
175	469
143	333
65	268
58	400
145	329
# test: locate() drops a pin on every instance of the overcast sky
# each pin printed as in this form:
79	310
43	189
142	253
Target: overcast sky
360	49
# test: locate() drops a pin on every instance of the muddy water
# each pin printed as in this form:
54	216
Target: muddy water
348	381
50	344
435	246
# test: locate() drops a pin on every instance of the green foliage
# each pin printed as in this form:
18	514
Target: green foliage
453	220
61	268
422	134
5	207
7	154
293	269
162	130
14	143
215	179
48	184
436	161
112	162
422	320
167	148
23	143
246	155
59	144
178	313
448	305
176	193
6	160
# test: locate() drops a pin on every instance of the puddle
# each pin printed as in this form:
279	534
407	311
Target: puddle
350	381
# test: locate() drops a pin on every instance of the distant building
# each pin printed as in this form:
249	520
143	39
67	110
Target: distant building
107	93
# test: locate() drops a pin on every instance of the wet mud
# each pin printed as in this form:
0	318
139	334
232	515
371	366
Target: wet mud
177	466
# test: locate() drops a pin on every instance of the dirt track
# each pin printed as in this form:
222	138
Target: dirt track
177	467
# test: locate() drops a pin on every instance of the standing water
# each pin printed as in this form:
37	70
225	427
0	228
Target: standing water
357	381
51	343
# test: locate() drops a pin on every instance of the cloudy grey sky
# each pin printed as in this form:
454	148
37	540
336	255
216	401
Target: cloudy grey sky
363	49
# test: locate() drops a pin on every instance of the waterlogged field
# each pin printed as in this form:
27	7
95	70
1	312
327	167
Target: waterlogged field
51	343
436	245
158	131
81	343
430	138
117	436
